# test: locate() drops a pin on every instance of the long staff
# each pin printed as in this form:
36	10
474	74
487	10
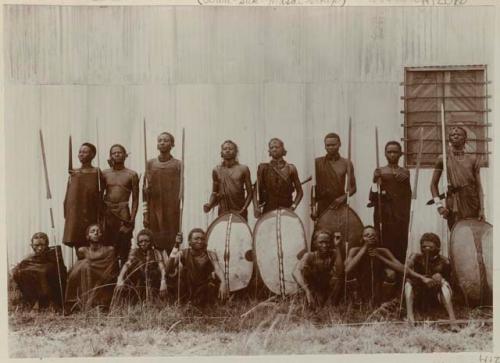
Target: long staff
379	190
181	209
347	189
412	210
145	204
70	169
53	229
379	208
445	160
98	173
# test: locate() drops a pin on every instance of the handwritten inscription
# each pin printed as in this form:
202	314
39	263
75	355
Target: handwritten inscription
441	2
274	2
489	358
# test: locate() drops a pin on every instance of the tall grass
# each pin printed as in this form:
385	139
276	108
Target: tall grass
242	326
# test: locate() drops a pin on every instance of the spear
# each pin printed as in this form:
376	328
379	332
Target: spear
181	208
412	210
70	155
49	198
144	195
347	189
145	201
379	189
445	161
98	172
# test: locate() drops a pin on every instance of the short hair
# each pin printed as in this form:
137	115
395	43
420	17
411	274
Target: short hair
322	231
431	237
193	231
332	135
87	230
369	226
459	128
145	232
120	146
40	235
91	147
393	142
230	142
280	142
172	139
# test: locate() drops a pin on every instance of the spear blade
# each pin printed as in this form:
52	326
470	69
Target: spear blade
70	155
44	159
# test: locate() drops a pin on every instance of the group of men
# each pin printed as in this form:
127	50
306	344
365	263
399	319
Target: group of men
100	210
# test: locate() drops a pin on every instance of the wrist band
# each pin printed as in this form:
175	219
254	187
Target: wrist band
437	200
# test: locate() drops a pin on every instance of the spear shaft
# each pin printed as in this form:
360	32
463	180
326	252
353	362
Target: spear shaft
379	189
347	189
52	226
181	210
412	210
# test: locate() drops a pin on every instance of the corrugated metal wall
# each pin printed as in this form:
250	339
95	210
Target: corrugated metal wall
246	74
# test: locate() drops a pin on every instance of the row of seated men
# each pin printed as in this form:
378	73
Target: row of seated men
368	274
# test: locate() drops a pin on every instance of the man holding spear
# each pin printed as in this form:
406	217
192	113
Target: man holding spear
161	190
331	172
391	197
120	183
82	200
464	195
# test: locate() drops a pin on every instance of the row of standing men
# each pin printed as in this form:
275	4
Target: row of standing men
89	200
93	196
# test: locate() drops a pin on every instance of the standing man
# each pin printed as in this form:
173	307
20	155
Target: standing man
82	202
395	192
120	183
320	273
331	173
161	194
464	198
230	182
277	180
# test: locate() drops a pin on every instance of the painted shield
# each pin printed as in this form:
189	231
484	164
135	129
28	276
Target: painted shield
471	253
337	220
279	239
230	237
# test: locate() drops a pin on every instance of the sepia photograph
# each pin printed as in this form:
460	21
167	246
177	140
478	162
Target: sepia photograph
213	179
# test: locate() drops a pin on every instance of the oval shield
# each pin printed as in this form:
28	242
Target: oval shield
279	238
230	237
472	259
341	219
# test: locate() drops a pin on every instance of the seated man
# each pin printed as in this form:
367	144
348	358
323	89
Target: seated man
369	277
198	266
41	276
144	269
430	287
320	272
91	279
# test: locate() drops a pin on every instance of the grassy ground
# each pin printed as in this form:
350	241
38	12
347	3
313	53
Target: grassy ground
281	327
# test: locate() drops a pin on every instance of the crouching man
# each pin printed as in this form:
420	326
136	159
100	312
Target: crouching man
41	276
369	277
92	278
320	273
201	276
432	288
144	271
